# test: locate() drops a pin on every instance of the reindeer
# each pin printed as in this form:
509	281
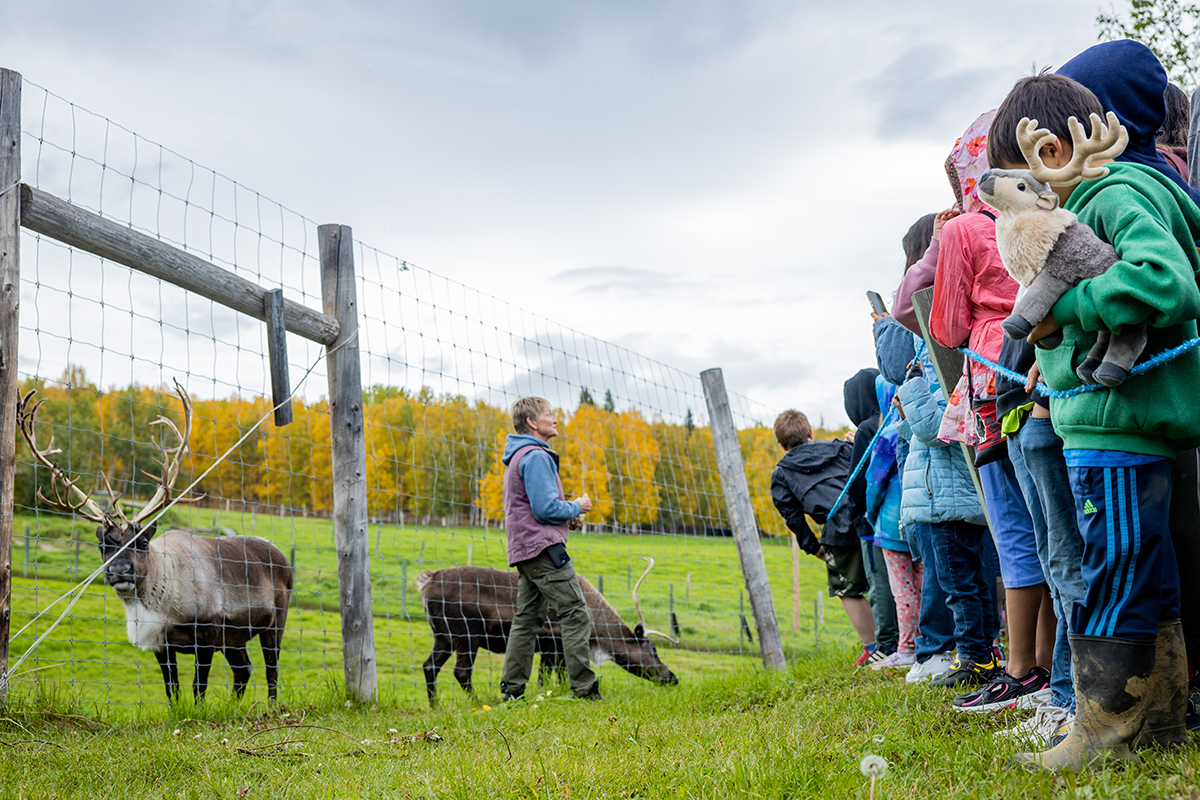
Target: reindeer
182	593
472	607
1048	250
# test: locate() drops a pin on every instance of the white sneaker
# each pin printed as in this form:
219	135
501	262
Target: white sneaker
1038	729
897	661
933	667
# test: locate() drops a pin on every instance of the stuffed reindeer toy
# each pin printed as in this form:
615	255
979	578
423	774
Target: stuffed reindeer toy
1048	250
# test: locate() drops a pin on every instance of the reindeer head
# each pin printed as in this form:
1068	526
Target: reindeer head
121	539
1012	191
644	661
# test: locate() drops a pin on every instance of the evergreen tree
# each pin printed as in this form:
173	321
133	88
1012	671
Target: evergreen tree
689	422
585	397
610	405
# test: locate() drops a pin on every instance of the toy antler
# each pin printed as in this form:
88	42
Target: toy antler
1107	141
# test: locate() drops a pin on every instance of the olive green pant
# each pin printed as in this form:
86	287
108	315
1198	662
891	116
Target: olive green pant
542	584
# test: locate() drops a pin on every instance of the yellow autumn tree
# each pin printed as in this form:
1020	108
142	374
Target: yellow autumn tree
584	465
635	453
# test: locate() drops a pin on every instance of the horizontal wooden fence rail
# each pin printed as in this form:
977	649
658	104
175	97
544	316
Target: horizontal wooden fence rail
48	215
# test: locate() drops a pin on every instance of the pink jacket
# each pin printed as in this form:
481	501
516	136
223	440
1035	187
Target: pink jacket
972	292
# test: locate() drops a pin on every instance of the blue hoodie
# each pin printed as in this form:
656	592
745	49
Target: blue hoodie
539	470
1129	80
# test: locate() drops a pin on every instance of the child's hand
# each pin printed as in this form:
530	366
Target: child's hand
1044	328
915	370
1032	379
876	316
850	437
942	218
899	407
820	553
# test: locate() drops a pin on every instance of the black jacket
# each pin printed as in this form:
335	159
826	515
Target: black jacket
808	480
1017	355
862	406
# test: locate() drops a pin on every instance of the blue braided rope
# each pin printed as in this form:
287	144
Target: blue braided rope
862	462
1145	366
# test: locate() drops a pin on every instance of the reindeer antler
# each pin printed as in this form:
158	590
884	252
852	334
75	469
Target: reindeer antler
637	606
60	482
1107	141
172	457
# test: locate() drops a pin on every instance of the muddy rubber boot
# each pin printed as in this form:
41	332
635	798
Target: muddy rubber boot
1166	717
1112	695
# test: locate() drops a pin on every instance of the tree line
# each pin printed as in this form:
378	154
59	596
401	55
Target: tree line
430	459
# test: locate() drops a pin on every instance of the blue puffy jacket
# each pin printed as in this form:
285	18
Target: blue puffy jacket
937	482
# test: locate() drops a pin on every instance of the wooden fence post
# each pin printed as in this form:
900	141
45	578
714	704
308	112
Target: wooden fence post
10	297
339	293
741	516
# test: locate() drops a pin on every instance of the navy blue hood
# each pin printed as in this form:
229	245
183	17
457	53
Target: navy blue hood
859	394
1128	79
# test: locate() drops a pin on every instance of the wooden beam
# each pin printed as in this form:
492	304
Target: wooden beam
46	214
741	516
281	385
346	425
10	297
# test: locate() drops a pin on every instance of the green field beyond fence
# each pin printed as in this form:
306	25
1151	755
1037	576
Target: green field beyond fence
89	659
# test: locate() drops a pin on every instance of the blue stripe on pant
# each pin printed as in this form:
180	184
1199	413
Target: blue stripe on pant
1128	559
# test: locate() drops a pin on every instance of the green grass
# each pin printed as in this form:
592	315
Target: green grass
88	660
799	733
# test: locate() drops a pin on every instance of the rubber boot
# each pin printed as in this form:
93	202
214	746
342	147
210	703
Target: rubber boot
1112	696
1166	717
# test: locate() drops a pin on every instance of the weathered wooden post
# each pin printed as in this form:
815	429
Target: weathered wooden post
10	296
741	516
339	293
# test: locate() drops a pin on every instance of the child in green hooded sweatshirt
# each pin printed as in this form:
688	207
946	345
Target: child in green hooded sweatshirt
1130	670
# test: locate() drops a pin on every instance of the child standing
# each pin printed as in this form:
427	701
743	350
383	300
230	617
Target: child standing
1129	663
807	481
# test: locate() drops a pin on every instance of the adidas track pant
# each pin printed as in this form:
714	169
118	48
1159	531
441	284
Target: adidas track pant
1128	560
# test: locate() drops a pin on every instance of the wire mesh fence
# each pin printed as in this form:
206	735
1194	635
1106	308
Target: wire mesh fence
441	362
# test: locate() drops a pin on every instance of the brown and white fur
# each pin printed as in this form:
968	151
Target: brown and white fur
195	594
472	607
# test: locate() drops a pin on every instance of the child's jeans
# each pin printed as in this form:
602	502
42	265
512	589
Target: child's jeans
936	629
904	576
1128	559
958	547
1037	456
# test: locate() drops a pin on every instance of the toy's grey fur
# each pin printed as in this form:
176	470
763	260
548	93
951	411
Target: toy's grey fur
1047	250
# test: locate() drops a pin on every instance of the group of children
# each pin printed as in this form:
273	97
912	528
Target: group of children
1084	503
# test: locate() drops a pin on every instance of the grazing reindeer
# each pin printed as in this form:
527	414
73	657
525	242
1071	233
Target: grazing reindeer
472	607
182	593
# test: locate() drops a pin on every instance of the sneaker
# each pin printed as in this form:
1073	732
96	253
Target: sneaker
964	671
896	660
508	697
932	667
877	657
1005	692
1038	729
865	655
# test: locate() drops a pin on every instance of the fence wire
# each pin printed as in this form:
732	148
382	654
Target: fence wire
101	344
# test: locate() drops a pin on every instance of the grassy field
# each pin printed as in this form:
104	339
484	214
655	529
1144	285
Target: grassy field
799	733
88	660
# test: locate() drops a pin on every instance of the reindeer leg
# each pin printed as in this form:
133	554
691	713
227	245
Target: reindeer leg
204	657
170	671
1095	357
1123	350
463	668
270	639
239	662
442	648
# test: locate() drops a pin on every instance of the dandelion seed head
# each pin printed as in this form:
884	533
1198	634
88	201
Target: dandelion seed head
878	739
392	730
873	766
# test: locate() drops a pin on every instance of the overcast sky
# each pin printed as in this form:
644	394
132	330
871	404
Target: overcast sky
708	183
